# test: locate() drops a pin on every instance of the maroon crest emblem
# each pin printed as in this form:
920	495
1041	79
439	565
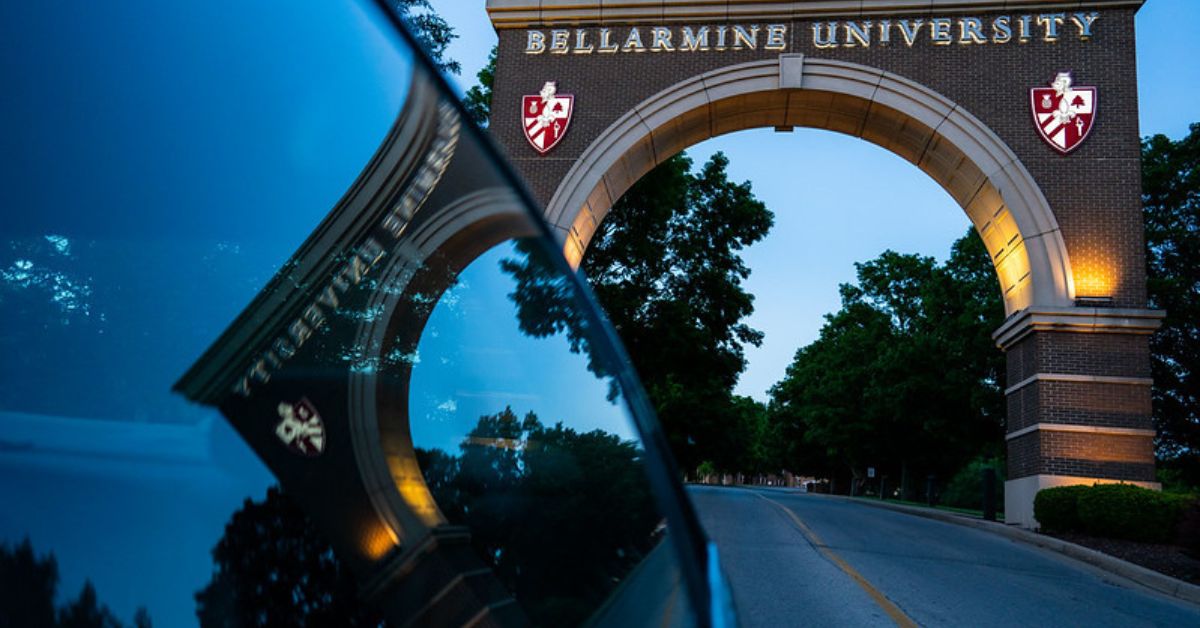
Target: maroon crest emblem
1063	113
546	117
300	428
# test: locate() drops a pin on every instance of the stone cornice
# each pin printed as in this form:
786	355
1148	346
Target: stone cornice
527	13
1077	319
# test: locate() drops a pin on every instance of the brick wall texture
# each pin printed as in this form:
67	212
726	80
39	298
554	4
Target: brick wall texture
1129	458
1102	404
1095	192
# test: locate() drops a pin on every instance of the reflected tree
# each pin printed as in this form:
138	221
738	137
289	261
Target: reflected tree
560	515
87	612
274	568
548	304
28	586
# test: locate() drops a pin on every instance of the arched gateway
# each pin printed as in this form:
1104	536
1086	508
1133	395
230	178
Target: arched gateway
999	102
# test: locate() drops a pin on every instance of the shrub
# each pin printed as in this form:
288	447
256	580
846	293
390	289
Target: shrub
1119	511
1124	511
1057	509
965	489
1189	530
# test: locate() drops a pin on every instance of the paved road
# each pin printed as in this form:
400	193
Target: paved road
808	560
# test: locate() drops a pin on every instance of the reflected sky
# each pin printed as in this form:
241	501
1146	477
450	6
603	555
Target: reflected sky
160	162
473	360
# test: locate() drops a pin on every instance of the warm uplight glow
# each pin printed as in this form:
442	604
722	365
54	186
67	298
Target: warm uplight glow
378	541
416	496
1095	282
1106	448
573	253
1095	278
411	486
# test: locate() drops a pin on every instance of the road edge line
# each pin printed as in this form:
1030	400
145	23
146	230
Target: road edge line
1143	576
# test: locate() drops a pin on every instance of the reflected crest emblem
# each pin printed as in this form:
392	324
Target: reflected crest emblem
545	117
301	428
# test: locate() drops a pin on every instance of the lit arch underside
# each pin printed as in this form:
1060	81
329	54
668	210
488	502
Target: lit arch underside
966	158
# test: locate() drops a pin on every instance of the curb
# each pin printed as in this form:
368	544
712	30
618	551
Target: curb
1146	577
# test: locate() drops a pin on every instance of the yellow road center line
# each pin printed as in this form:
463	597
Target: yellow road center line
889	607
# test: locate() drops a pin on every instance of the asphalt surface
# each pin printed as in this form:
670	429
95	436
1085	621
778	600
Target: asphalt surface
808	560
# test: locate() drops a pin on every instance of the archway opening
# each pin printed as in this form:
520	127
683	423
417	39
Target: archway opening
953	148
945	141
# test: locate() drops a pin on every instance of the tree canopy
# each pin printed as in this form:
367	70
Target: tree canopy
478	99
1171	201
904	374
431	31
666	266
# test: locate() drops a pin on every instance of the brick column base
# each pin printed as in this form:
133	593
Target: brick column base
1078	401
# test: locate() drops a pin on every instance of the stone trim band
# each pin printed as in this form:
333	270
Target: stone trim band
524	13
1084	429
1067	377
1077	319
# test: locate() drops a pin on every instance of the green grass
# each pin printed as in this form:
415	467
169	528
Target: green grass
961	511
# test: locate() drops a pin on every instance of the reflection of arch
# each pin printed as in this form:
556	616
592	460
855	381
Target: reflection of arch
436	252
953	147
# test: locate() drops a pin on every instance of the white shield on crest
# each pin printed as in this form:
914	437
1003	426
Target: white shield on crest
545	116
1063	113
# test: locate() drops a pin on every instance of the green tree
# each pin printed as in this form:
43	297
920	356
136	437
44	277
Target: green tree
666	267
430	30
904	374
828	394
478	99
1171	200
756	436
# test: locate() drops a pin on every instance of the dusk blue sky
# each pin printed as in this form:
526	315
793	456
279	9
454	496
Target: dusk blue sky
241	125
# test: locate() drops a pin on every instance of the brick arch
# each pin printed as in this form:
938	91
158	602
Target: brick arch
969	160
